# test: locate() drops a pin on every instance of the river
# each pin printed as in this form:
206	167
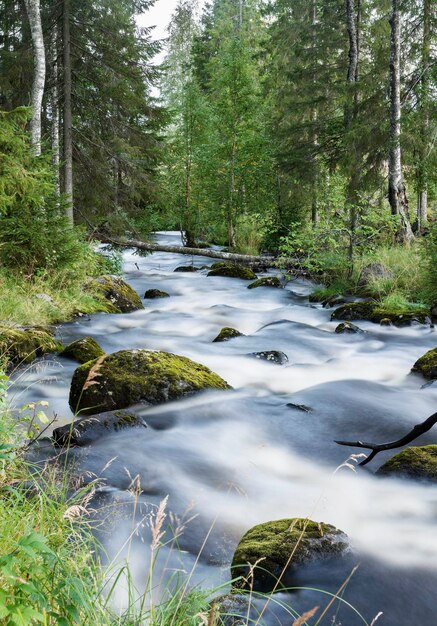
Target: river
231	460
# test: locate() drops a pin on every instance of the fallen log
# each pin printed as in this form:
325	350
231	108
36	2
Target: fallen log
376	448
246	259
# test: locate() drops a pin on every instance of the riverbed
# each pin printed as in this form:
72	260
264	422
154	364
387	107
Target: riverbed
230	460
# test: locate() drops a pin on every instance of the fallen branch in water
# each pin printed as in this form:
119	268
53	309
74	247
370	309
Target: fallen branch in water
376	448
247	259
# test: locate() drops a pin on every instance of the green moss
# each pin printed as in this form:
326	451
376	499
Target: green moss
233	271
226	334
137	376
83	350
119	296
274	543
20	344
415	462
267	281
155	293
427	365
374	312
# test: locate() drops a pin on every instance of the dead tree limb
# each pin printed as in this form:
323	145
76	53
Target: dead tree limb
418	430
264	261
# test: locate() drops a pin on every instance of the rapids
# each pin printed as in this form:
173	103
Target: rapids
233	459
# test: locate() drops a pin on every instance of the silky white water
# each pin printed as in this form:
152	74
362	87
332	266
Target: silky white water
238	458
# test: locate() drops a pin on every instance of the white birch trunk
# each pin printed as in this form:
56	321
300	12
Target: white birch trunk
34	15
396	187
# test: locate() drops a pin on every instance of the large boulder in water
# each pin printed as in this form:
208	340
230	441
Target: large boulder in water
232	271
119	380
287	543
266	281
83	350
23	344
419	463
427	365
120	296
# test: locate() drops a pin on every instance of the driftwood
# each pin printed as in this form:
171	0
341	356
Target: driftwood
418	430
246	259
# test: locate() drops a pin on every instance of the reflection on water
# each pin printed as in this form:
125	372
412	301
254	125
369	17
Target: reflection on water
240	458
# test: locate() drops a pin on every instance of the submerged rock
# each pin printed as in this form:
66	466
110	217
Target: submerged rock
415	462
373	312
151	294
267	281
120	296
427	365
232	271
348	327
23	344
122	379
326	298
83	350
272	356
187	268
226	334
273	543
84	431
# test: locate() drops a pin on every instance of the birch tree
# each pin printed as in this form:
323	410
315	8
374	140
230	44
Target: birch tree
397	194
39	77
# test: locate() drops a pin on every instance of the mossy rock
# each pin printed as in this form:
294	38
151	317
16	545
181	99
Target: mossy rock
273	543
348	328
427	365
267	281
232	271
187	268
84	431
271	356
354	311
129	377
152	294
419	463
120	296
371	311
226	334
23	344
83	350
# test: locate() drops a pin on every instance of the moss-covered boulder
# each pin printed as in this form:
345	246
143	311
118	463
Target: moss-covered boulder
232	271
83	350
84	431
120	380
271	356
153	294
271	544
226	334
23	344
120	296
348	328
427	365
187	268
374	312
267	281
419	463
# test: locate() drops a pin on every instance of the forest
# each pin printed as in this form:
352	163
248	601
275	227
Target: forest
293	143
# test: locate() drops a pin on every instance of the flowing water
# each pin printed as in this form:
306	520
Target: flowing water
231	460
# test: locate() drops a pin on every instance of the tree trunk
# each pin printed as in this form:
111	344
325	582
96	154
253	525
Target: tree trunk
230	215
54	107
67	121
397	194
422	207
34	15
